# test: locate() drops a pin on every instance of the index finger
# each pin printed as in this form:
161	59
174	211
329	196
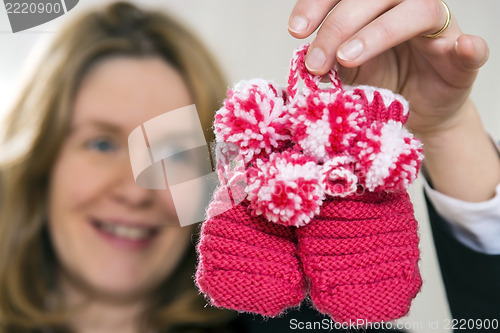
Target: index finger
307	15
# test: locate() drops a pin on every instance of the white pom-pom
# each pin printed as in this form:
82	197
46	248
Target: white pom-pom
390	155
325	123
285	189
254	118
338	176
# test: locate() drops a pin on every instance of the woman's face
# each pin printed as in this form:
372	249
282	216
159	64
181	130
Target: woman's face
109	234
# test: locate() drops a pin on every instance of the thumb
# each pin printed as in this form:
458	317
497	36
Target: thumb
471	52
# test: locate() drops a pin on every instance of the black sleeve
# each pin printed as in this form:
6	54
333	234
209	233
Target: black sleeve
472	279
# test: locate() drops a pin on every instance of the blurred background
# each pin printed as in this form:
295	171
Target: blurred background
250	39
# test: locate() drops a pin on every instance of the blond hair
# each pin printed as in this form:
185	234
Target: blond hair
37	126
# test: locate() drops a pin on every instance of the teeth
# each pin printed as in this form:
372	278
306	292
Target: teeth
127	232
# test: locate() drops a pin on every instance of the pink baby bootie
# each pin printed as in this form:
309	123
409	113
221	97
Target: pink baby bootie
361	256
247	263
361	252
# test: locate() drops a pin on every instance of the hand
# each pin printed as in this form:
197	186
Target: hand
380	43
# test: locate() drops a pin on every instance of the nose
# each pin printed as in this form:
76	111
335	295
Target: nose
127	192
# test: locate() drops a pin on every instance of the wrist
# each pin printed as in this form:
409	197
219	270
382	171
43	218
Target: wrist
460	159
435	128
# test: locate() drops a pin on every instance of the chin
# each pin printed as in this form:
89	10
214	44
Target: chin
113	287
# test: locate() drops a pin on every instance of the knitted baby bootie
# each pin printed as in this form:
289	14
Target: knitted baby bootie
361	256
360	253
246	262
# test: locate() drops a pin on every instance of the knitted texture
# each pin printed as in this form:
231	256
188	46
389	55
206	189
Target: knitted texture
313	189
361	257
248	264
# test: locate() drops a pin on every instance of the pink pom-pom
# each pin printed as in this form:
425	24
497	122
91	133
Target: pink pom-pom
285	189
325	123
254	118
389	155
338	176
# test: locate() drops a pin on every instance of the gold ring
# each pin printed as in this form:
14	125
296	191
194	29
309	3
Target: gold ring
446	24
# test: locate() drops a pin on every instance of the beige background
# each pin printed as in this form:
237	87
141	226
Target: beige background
250	39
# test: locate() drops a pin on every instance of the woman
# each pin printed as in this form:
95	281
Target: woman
82	247
26	237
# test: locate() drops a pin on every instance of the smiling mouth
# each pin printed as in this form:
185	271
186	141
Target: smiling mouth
130	233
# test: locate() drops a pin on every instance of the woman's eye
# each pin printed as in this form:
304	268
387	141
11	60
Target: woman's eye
177	154
181	157
101	145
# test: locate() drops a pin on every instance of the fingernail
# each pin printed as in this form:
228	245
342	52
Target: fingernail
351	50
315	59
298	24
